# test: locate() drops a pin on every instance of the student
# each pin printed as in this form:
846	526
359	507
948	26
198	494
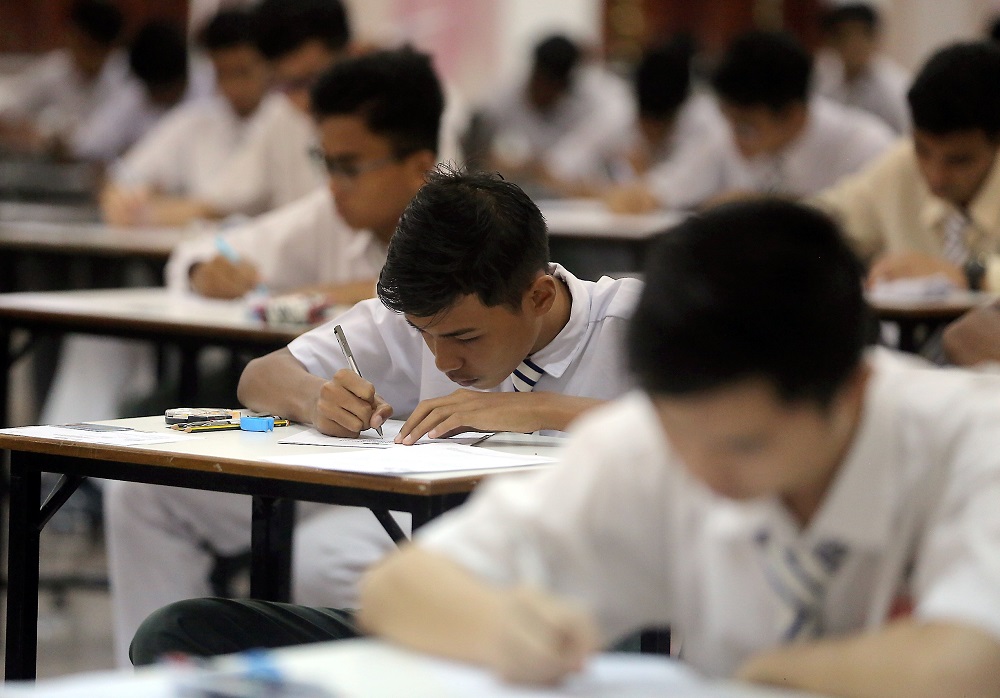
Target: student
468	298
764	436
379	116
554	129
675	119
163	178
43	106
779	141
163	77
932	204
853	72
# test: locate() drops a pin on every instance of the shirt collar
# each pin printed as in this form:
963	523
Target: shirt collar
556	356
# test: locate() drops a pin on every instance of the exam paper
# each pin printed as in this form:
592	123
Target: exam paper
403	460
99	434
370	439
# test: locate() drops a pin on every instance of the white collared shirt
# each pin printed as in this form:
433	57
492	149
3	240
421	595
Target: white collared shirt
584	359
183	154
621	526
301	244
837	141
880	90
273	166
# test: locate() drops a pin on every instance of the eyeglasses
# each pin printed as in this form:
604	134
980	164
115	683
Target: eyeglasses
349	169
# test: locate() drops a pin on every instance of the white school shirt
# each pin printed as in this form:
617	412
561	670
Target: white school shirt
273	166
183	154
620	526
881	90
585	359
591	120
55	96
301	244
836	141
129	114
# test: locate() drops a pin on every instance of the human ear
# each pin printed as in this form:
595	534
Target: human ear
541	295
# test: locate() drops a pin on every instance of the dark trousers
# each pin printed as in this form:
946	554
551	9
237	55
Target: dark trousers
209	627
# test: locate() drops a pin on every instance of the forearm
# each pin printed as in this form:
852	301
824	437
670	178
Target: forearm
554	411
907	659
425	601
279	384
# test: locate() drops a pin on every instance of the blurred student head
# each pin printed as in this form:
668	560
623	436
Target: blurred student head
662	84
468	266
301	39
159	58
852	31
95	26
955	105
241	73
555	59
749	338
379	116
763	86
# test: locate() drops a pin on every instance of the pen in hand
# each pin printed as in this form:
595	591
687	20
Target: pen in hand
226	250
346	348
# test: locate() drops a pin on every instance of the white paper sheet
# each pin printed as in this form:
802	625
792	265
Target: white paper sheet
370	439
100	434
402	460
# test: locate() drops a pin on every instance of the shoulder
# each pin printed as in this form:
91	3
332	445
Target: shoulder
615	298
845	122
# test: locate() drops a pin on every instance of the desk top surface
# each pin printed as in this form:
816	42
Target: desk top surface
944	307
151	309
588	218
244	453
76	238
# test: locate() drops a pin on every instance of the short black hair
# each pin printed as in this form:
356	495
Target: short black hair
228	29
765	289
663	78
994	29
555	57
860	12
99	20
284	26
396	92
158	55
464	234
958	89
762	68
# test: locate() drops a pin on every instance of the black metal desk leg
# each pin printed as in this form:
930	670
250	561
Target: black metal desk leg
22	569
188	388
271	549
7	357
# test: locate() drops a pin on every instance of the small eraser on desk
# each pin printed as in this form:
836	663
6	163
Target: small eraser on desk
257	423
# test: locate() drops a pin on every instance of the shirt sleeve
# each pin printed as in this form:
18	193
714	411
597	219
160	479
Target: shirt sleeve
576	528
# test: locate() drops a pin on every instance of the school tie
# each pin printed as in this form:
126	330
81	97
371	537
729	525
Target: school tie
800	579
525	376
956	244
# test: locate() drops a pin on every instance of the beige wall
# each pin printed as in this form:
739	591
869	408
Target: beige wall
916	28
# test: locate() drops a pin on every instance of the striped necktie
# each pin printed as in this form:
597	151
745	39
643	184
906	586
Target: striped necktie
800	579
955	243
525	376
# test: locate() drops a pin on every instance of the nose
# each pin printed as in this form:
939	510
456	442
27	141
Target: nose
937	177
446	358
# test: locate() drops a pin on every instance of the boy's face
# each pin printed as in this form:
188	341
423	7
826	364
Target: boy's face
743	442
955	165
371	186
855	43
295	73
88	55
478	346
759	130
242	76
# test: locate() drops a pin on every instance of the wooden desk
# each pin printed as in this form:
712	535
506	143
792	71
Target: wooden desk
592	242
222	461
152	314
916	317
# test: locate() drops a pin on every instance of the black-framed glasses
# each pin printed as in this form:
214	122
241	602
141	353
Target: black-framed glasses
349	169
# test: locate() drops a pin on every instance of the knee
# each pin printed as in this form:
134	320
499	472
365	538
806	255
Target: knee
172	629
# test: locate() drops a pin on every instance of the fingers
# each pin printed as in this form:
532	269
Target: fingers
347	405
220	278
435	417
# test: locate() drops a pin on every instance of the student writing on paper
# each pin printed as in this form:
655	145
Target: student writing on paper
931	205
474	329
780	140
801	511
379	115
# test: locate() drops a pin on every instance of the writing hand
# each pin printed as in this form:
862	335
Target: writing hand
347	405
540	638
220	278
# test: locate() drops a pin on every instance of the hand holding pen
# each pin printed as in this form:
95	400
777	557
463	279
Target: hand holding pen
226	275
